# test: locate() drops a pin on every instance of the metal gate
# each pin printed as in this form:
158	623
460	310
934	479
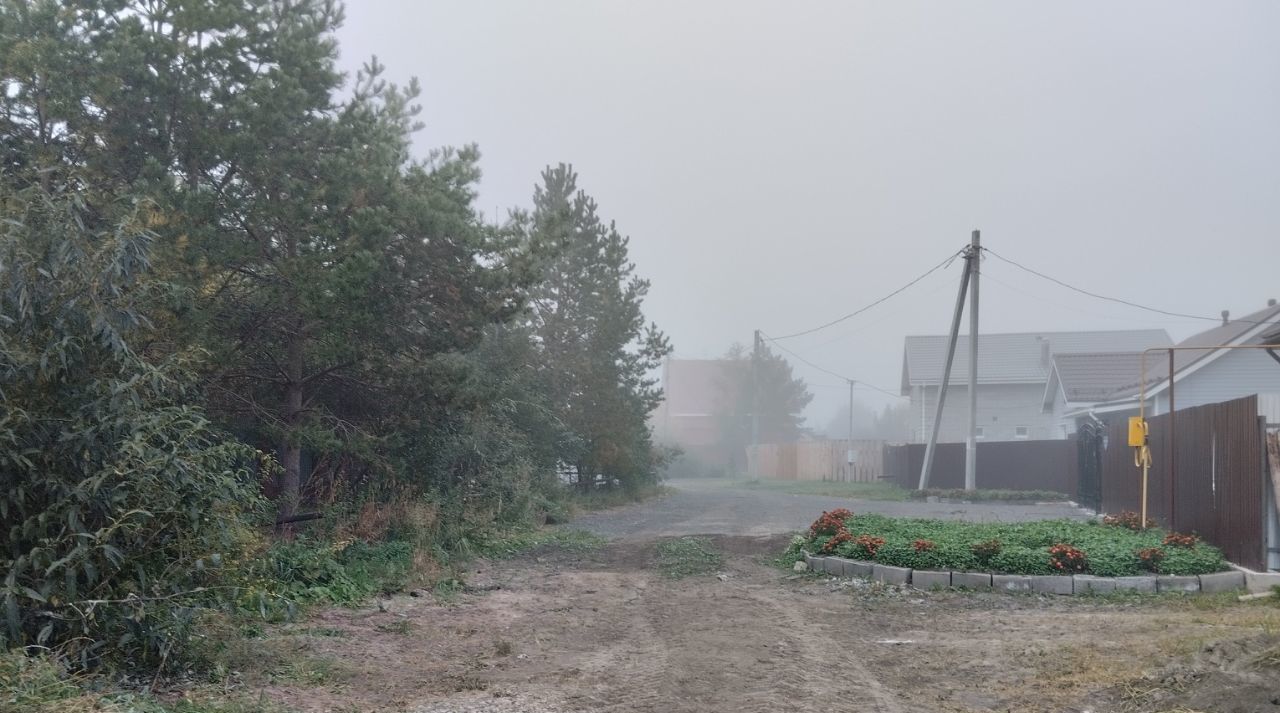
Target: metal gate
1090	443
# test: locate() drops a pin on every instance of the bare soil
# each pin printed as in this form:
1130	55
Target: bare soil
605	631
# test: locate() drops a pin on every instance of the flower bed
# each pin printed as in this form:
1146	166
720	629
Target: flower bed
1033	548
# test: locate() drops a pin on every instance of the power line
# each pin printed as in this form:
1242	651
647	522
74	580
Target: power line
988	275
950	258
829	372
1107	298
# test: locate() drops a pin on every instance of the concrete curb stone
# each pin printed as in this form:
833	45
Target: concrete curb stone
891	575
1089	584
1259	582
1135	584
927	579
1222	582
1011	582
971	580
1053	584
857	568
1172	583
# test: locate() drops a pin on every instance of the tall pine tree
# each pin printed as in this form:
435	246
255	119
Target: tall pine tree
597	349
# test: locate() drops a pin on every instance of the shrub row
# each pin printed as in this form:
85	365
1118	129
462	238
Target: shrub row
1012	548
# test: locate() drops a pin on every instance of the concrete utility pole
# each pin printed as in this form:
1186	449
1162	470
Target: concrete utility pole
851	382
971	449
848	453
927	467
755	390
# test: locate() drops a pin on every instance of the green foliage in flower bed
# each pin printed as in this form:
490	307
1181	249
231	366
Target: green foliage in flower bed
1013	548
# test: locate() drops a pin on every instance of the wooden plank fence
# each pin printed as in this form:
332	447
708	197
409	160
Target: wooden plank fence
817	460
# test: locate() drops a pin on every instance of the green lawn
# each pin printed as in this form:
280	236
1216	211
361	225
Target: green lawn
861	491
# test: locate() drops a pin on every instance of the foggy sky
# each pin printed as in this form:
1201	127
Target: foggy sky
778	164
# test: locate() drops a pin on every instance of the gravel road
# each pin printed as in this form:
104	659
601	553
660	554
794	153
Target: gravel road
711	507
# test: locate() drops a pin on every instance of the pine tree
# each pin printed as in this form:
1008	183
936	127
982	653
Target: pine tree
782	398
597	349
316	256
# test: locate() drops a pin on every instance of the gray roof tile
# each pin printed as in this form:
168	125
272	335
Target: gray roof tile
1017	358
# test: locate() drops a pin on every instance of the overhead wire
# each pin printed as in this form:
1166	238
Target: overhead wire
945	263
827	371
1108	298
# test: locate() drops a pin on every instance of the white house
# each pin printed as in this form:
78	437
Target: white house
1012	373
1107	385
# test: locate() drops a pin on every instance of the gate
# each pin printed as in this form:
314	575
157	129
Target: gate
1090	442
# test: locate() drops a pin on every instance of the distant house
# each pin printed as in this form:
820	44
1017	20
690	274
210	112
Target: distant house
1104	386
1012	373
689	415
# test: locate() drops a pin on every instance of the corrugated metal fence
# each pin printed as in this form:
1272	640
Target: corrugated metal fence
1012	465
817	460
1218	489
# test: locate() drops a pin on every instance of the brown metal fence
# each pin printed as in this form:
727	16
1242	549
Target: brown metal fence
1210	483
1013	465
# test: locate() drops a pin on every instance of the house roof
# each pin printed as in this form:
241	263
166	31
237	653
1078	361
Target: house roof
1096	376
1250	329
1114	377
1016	358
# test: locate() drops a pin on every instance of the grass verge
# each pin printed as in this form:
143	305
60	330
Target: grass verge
833	489
991	495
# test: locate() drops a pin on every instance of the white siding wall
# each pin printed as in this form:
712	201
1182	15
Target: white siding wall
1236	374
1001	409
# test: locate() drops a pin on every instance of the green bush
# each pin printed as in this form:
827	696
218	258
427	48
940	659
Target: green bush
122	507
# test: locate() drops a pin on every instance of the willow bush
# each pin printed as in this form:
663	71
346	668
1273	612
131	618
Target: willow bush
122	506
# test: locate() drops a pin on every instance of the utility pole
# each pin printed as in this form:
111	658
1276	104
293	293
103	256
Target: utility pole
755	390
848	453
971	449
927	467
851	382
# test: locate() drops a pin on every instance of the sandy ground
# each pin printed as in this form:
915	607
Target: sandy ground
605	631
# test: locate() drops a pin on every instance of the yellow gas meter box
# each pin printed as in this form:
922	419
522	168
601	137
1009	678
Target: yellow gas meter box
1137	431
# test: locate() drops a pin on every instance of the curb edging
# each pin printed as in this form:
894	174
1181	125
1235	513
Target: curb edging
1061	585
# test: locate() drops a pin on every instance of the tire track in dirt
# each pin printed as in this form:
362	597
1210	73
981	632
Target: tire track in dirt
699	645
633	668
847	659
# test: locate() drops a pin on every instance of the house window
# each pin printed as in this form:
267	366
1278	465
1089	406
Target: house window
980	433
1020	432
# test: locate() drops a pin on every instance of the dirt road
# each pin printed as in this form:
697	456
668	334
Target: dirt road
604	630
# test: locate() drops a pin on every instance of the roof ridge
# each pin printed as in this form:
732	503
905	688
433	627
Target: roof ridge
1048	333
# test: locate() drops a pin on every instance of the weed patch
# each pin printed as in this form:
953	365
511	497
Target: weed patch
688	556
519	543
403	627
